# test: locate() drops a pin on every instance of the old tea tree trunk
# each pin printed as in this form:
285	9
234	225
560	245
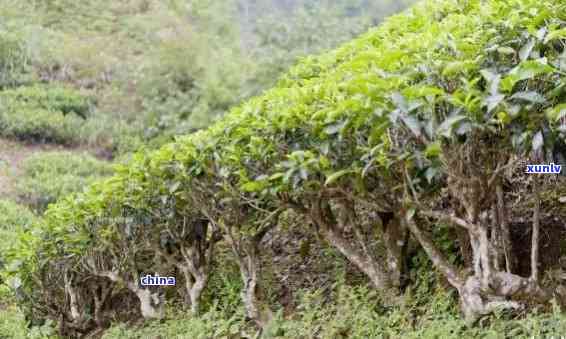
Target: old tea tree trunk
151	302
244	234
189	246
491	286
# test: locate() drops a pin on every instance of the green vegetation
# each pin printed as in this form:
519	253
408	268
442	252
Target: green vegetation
155	69
353	314
49	176
13	217
14	326
376	191
43	114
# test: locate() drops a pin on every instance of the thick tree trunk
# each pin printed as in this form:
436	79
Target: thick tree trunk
100	295
246	251
465	247
151	303
487	290
357	252
194	287
365	263
76	315
449	271
253	296
196	294
395	240
194	259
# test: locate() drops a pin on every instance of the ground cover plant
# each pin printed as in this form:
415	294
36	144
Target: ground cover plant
398	159
43	114
47	176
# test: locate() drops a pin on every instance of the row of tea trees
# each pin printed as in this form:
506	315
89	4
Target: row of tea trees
413	125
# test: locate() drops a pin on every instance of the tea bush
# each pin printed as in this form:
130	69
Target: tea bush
407	129
50	175
43	114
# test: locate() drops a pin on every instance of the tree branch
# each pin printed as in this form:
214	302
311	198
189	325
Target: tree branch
438	259
450	218
535	235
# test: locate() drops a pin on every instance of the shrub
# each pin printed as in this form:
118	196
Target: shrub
42	114
48	176
15	59
14	326
373	131
12	218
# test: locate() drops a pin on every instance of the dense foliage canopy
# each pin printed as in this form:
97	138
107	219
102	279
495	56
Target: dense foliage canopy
420	120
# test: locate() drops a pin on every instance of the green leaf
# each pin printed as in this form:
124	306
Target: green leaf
335	176
433	150
556	113
276	176
431	173
413	124
174	186
334	128
529	96
504	117
493	101
506	50
526	70
445	129
253	186
557	34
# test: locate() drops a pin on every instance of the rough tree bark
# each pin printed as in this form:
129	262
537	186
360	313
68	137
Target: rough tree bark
357	252
193	256
101	292
247	253
151	303
486	290
395	240
70	291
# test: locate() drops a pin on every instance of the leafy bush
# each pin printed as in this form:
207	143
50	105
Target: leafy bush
13	217
43	114
370	127
48	176
14	326
49	97
15	58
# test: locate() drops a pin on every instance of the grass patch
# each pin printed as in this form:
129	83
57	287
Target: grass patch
353	312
